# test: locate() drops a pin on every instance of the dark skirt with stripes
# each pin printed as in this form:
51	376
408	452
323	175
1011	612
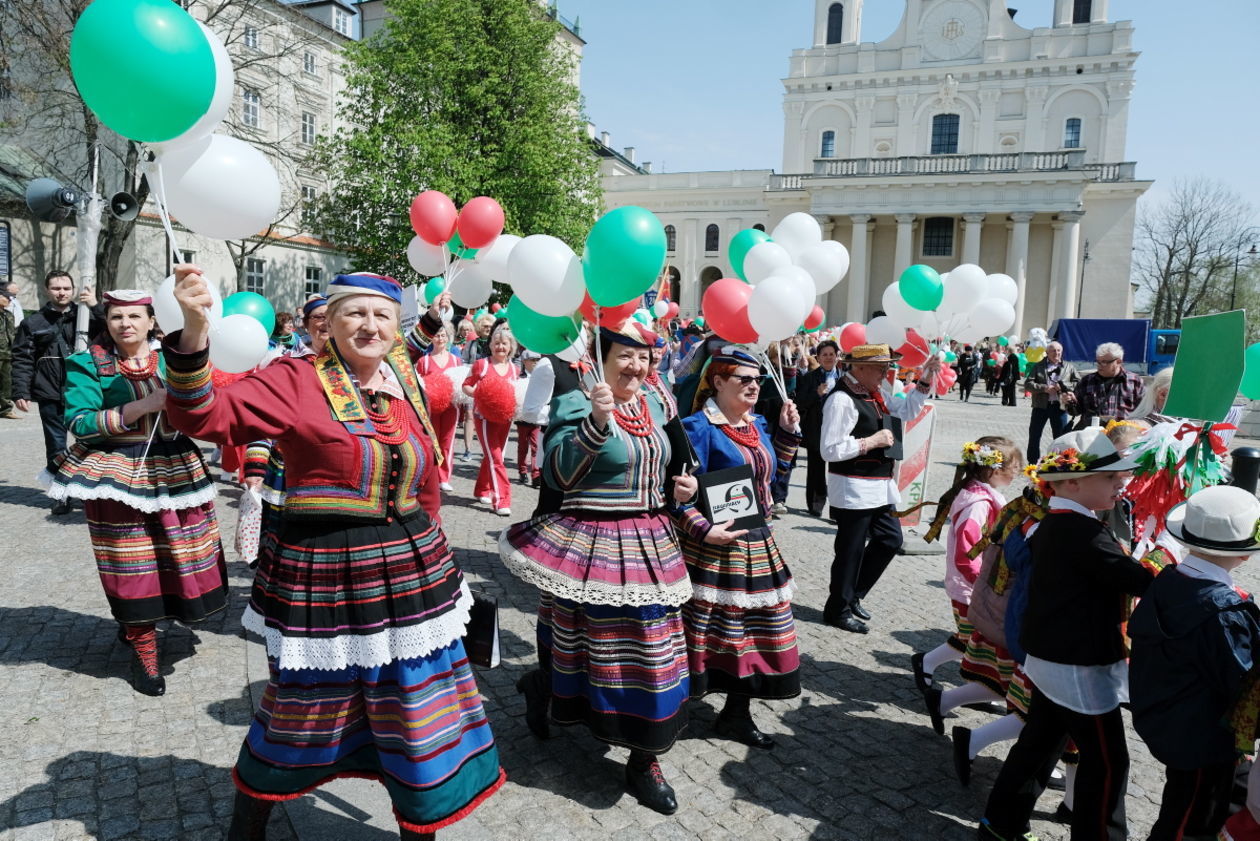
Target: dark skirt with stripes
416	725
987	664
620	670
741	635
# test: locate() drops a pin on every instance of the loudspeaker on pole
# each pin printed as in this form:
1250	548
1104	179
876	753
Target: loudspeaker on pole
124	206
49	200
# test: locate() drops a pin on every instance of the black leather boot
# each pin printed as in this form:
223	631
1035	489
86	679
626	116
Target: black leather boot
405	834
249	818
645	781
535	687
735	722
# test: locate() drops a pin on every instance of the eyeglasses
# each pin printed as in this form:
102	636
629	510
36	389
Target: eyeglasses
1108	361
749	379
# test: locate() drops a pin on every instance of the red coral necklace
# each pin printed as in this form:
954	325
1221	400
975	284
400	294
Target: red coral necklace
639	424
391	426
142	371
746	434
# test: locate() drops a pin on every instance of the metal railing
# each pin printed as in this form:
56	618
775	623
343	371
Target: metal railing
1069	160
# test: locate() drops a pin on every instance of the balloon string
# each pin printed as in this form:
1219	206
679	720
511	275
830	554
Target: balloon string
599	349
778	381
166	222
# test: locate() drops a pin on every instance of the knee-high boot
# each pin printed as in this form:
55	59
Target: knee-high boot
249	818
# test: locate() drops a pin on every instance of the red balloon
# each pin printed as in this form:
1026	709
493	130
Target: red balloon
815	318
495	307
610	317
945	379
433	217
725	309
480	222
673	310
851	336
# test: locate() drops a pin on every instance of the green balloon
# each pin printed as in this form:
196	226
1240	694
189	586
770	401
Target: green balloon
144	67
625	252
741	244
434	287
542	333
950	356
932	348
921	287
1003	341
698	321
1250	386
253	305
1023	362
455	245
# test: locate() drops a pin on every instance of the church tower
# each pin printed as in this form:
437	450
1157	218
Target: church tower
837	22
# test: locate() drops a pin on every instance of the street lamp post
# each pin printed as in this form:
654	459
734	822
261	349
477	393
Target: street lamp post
1238	253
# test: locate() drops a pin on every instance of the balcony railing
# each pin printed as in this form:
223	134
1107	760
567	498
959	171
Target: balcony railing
1072	161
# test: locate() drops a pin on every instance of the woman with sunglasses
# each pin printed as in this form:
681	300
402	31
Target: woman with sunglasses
741	639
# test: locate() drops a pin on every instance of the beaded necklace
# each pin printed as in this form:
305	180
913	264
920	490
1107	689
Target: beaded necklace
746	435
638	424
144	371
391	426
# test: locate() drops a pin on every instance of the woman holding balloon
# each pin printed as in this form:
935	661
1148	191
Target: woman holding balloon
388	692
491	385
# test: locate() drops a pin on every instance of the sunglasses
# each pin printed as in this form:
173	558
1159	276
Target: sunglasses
1106	361
748	379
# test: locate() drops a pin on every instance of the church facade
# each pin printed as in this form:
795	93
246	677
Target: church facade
962	138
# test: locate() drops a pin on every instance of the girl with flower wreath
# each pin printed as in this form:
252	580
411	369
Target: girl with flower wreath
971	506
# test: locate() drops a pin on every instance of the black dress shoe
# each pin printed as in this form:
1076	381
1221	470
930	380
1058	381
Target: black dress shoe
61	507
530	685
962	754
648	786
742	729
859	611
932	700
922	679
147	684
847	623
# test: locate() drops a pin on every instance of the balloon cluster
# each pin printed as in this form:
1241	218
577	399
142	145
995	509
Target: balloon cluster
965	304
779	277
240	325
459	251
156	75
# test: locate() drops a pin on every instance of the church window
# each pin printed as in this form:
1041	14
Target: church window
711	236
1082	11
828	145
671	238
1072	133
938	236
835	24
945	134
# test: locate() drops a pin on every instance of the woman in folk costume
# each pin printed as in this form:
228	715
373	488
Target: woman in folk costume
445	422
358	597
657	385
611	645
490	384
146	493
741	638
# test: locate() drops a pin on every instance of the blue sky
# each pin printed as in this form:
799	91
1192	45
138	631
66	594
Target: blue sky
695	84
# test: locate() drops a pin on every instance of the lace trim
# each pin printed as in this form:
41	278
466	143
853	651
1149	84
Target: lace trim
272	496
590	592
726	598
149	505
366	650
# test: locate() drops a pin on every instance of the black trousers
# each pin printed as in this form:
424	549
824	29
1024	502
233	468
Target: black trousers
1101	777
1059	424
52	416
1008	394
1195	802
815	480
866	541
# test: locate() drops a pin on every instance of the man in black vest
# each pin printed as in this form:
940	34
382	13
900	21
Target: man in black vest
861	442
811	393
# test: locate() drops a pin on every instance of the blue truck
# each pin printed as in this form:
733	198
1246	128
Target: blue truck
1146	349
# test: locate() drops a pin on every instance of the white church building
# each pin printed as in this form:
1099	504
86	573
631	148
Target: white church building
962	138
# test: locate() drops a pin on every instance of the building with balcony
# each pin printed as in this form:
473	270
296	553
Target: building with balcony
961	138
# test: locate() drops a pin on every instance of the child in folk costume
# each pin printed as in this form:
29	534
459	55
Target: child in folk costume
972	506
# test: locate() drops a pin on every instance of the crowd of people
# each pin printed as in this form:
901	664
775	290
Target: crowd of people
649	596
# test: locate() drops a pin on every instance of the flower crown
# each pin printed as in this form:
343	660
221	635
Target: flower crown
1070	460
982	455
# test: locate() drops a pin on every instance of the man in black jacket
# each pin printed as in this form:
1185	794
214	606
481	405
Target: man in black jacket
811	393
44	339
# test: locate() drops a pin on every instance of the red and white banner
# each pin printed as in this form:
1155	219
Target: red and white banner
912	471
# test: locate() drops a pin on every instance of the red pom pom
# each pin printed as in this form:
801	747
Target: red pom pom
440	391
495	399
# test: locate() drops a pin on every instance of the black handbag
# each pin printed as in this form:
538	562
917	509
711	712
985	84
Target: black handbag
481	638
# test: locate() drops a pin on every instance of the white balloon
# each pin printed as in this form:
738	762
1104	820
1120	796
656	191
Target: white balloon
1004	288
578	349
930	326
660	308
470	287
220	102
992	317
237	343
426	258
797	232
827	262
493	259
547	275
774	309
882	331
896	308
799	281
170	316
220	187
765	259
966	286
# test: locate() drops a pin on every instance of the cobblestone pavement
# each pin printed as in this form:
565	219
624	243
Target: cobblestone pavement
85	757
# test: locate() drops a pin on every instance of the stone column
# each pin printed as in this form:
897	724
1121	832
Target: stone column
906	139
972	225
1099	12
862	129
986	139
1017	261
1069	263
905	243
859	268
1034	122
1056	258
689	270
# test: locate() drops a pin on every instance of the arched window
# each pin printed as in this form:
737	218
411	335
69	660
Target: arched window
671	238
938	236
759	227
1082	11
828	149
711	236
835	23
945	134
1072	133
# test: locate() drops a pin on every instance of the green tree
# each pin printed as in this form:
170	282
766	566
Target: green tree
470	97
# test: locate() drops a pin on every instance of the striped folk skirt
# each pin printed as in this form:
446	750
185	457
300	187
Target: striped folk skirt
167	564
741	635
416	725
958	639
620	670
987	664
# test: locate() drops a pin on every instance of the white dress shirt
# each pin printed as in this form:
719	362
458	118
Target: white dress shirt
840	416
539	385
